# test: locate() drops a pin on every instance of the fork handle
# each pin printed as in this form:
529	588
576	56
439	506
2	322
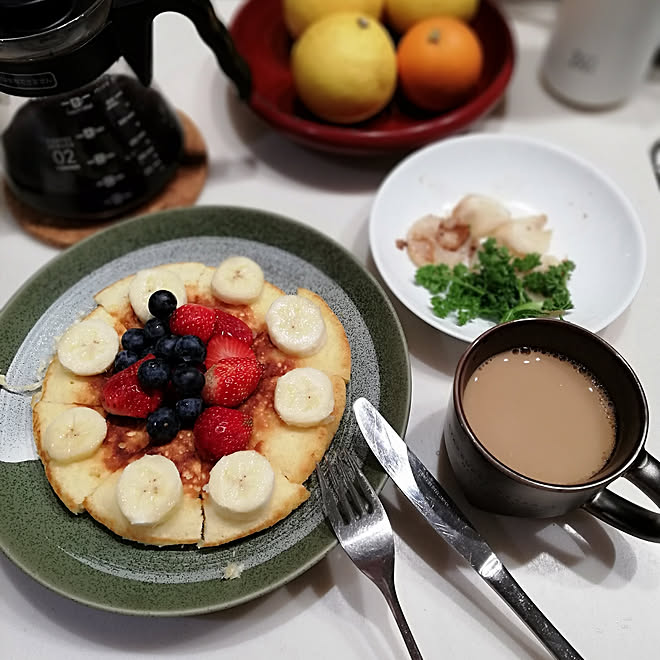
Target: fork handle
393	601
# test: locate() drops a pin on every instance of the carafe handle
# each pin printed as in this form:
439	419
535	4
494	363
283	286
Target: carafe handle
133	21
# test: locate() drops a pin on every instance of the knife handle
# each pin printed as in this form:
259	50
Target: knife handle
505	585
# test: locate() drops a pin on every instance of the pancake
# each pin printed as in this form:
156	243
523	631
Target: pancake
334	357
221	528
90	484
73	482
294	450
114	298
63	386
183	524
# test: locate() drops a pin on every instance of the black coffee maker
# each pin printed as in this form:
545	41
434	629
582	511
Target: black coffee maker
92	140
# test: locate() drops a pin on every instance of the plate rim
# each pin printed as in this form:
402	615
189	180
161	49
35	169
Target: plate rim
148	225
454	330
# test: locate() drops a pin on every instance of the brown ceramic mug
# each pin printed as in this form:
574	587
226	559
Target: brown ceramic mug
491	485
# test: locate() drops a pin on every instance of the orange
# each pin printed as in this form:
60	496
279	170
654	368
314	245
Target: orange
439	62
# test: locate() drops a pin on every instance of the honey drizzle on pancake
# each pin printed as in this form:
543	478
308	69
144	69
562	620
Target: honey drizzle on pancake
125	438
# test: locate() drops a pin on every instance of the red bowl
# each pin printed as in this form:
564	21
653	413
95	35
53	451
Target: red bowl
261	37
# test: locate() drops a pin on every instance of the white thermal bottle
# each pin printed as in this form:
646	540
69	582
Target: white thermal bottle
601	50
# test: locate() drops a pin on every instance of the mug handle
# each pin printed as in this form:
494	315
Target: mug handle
626	516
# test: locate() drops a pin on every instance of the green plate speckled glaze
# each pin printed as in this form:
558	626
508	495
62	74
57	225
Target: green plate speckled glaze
82	560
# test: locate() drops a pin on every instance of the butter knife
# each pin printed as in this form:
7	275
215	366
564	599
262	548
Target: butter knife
433	502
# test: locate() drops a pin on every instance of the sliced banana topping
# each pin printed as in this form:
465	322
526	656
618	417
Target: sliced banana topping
238	280
145	282
296	325
88	347
74	434
242	483
149	489
304	397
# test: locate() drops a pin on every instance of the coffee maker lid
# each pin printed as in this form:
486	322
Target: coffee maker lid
21	18
52	46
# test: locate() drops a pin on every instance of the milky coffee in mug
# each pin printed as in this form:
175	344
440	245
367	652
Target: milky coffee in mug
543	416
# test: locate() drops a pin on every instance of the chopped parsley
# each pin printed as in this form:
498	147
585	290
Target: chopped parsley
499	287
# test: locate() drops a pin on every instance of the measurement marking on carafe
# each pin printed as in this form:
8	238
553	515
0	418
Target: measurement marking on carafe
117	198
89	132
114	100
136	139
110	180
101	158
77	104
145	153
154	167
126	118
63	154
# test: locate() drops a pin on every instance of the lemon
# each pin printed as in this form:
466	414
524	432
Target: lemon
299	14
403	14
344	67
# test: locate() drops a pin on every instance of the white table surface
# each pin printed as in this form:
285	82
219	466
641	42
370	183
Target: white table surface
598	586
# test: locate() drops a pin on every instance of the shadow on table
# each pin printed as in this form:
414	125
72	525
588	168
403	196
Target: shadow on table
220	630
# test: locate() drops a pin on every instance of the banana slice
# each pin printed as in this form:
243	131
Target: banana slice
238	280
145	282
296	325
88	347
304	397
74	434
149	489
241	483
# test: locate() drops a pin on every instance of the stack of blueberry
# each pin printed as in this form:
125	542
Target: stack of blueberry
178	360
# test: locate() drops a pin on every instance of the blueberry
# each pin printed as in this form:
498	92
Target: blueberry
135	340
188	410
155	329
200	366
153	374
190	348
165	347
125	359
188	380
162	425
162	303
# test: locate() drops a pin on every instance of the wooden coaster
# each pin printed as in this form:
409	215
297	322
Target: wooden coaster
182	190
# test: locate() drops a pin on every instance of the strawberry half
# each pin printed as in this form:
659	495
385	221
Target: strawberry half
231	381
228	324
220	431
123	395
221	347
193	319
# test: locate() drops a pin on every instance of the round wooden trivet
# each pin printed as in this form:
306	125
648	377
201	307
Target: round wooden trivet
182	190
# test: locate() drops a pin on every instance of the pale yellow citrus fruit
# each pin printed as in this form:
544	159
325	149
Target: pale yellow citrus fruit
344	67
299	14
403	14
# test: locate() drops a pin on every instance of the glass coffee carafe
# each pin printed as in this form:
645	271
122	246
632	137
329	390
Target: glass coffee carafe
87	138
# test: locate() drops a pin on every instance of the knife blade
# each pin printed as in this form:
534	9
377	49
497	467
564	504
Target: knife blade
425	493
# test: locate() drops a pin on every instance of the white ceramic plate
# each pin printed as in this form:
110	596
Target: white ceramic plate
592	221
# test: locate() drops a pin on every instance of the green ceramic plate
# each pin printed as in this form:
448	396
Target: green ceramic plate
82	560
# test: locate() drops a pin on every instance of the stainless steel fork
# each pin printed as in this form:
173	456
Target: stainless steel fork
364	531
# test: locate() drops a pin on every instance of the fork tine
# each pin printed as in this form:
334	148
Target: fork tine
340	486
348	470
328	497
368	494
